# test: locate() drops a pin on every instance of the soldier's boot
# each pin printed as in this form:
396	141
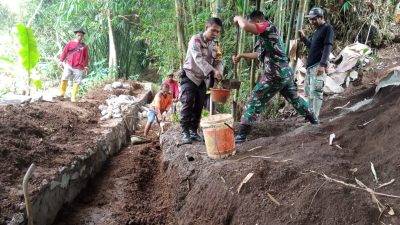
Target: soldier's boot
194	135
186	137
241	136
310	116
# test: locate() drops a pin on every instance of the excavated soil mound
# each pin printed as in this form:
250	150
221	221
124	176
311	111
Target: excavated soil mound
50	135
288	185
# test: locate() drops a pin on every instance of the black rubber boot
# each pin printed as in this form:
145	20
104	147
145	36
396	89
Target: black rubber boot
310	116
241	136
186	137
195	136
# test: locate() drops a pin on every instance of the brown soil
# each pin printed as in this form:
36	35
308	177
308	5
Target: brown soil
131	190
146	185
51	135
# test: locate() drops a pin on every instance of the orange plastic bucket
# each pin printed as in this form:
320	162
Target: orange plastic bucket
218	135
219	94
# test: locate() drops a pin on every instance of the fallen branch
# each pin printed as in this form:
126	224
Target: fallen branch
26	193
273	199
254	156
365	124
247	178
354	186
386	184
255	148
344	106
259	156
312	200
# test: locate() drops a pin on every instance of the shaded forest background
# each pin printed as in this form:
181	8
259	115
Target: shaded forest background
146	39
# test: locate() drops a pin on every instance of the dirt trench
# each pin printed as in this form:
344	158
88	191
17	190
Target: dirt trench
156	184
131	189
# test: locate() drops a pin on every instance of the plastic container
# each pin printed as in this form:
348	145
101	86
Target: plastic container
219	94
218	135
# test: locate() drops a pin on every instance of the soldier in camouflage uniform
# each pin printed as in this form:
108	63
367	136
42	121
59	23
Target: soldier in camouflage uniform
277	77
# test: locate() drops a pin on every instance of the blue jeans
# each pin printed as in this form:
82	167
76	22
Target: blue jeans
151	116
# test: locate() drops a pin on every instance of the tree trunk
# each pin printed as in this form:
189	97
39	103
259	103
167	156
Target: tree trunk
216	6
299	26
253	61
192	13
291	22
241	48
112	59
203	4
180	31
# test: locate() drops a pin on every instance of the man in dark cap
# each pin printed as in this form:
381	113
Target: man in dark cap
76	55
320	47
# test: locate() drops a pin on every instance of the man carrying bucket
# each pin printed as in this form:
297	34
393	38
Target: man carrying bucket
277	77
199	64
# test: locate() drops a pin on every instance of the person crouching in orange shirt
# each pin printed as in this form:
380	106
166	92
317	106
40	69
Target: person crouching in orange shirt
160	105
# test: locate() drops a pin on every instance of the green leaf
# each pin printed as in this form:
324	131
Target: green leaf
28	52
37	83
346	6
5	59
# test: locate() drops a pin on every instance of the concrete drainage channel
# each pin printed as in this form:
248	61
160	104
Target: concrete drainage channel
63	188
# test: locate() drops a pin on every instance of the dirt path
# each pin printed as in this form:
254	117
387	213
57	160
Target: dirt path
132	189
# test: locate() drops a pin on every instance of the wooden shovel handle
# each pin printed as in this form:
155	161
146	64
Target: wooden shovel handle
236	50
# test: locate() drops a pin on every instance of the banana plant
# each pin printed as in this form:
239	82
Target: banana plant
28	52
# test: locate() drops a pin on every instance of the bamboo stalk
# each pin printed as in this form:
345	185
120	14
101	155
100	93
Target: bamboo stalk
299	26
291	22
253	62
235	75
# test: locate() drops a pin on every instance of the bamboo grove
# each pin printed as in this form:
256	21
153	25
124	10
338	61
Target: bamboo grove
131	37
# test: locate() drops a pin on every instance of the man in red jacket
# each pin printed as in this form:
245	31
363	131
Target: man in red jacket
76	55
173	85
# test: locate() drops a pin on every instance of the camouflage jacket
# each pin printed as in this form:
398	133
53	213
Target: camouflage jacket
271	52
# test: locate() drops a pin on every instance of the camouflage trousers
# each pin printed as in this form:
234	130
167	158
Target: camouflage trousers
313	87
265	90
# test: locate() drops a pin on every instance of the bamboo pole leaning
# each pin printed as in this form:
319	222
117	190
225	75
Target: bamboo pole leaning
290	26
299	26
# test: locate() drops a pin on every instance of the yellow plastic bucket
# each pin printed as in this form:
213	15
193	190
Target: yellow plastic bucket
218	135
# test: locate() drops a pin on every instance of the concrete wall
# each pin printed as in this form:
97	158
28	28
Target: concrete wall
72	179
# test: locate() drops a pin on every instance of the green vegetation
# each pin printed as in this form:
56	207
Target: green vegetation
128	37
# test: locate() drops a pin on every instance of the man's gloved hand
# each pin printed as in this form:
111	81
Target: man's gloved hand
61	65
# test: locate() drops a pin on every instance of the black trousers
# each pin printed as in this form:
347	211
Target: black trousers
192	98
